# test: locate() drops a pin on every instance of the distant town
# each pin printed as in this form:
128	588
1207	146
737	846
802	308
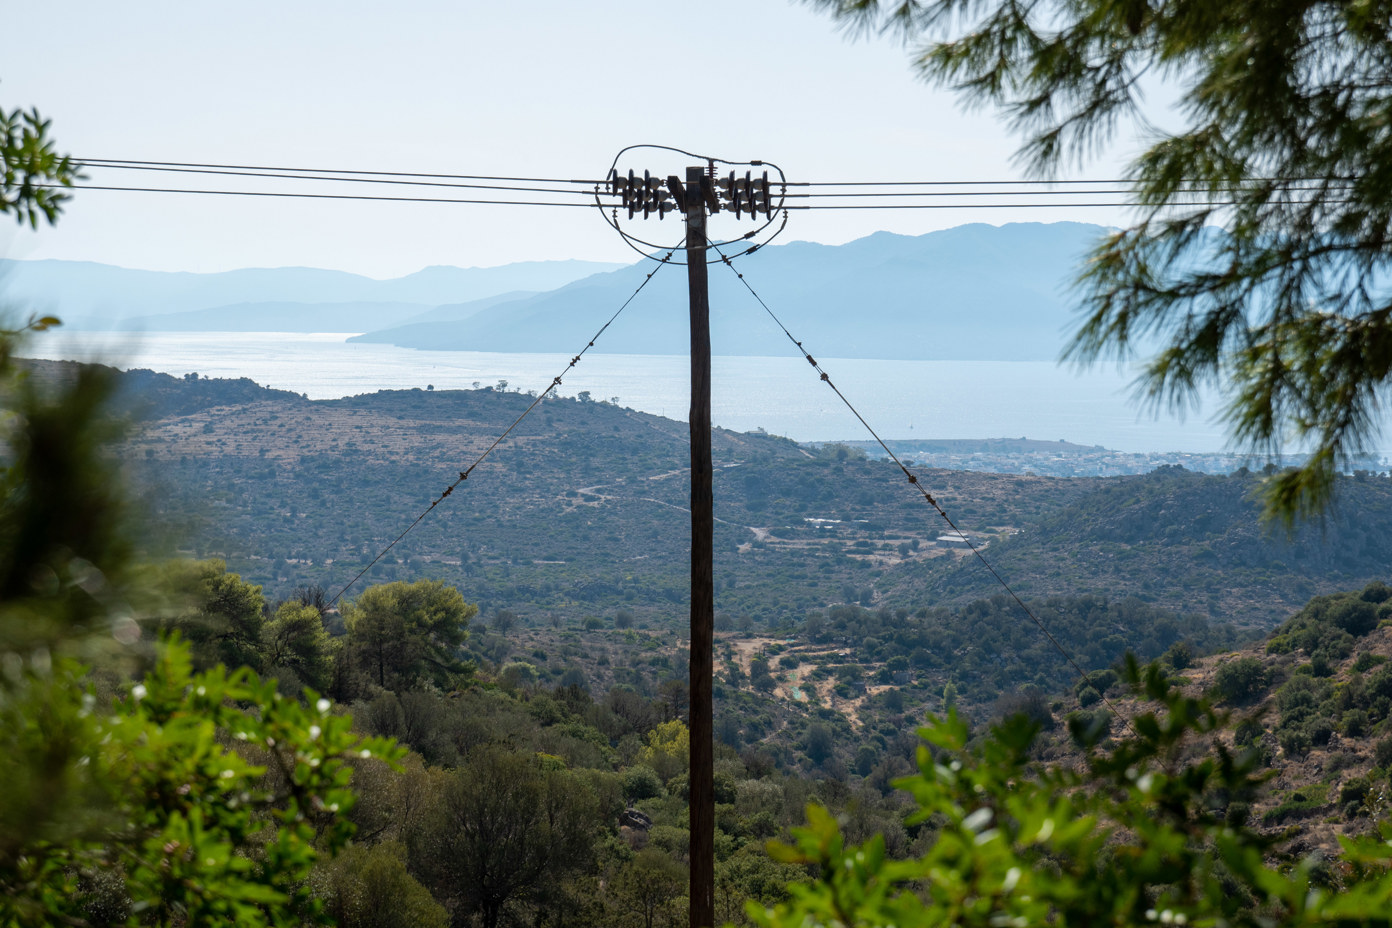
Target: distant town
1065	459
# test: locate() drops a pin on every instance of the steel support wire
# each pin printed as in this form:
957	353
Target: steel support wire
927	496
464	474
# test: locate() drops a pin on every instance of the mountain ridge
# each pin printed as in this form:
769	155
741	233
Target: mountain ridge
974	292
91	295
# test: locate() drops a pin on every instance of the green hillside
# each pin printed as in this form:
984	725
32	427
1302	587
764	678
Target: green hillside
582	511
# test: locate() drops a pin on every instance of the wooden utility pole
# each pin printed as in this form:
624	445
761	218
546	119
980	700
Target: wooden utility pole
702	727
701	192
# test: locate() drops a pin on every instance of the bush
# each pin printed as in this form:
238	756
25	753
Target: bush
641	782
1376	592
1295	742
1382	753
1240	680
1354	723
1356	617
1295	807
1178	656
1353	790
1247	731
1367	661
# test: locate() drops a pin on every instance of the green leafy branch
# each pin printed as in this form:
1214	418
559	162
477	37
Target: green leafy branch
31	168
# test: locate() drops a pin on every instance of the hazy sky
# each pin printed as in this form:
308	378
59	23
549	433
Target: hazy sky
549	88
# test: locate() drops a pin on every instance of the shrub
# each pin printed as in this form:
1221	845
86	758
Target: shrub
1240	680
1295	742
1376	592
1354	723
641	782
1353	790
1382	753
1247	731
1367	661
1296	806
1356	617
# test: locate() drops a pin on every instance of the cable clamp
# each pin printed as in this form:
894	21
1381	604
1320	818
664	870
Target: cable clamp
463	475
448	491
826	377
913	479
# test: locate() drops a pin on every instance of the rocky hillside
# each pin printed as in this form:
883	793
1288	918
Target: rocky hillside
1313	704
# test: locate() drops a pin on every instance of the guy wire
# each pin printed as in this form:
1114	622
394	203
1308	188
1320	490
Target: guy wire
464	474
914	481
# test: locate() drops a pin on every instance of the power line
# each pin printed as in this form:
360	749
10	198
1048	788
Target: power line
1025	182
579	190
307	196
98	162
1184	204
927	496
602	206
464	474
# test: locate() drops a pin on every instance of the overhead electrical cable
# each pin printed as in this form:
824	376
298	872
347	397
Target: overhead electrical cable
310	196
339	178
100	162
536	401
1023	183
918	485
290	194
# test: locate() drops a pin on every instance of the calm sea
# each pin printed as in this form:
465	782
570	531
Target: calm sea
900	399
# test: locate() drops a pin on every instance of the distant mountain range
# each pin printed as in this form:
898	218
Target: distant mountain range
289	299
976	292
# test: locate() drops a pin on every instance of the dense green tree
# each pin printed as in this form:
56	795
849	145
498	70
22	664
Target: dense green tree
295	640
370	887
668	750
503	825
649	886
1282	142
400	633
820	742
216	612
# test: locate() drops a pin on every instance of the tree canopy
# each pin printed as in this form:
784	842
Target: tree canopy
400	631
1259	256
